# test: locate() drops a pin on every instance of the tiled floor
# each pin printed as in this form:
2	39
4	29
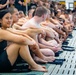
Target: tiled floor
69	66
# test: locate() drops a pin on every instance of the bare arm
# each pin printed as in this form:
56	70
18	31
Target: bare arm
52	21
3	5
6	35
49	33
43	41
16	26
48	47
30	30
42	45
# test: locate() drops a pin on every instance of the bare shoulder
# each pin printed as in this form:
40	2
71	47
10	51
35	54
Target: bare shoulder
2	32
5	32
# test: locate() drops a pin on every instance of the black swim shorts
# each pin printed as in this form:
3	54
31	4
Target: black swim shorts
5	65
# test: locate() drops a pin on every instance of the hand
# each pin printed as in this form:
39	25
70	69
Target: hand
42	32
7	2
20	2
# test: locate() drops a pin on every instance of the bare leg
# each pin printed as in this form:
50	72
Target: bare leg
25	54
39	60
12	52
47	52
14	49
36	49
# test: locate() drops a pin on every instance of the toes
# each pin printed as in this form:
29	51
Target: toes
44	67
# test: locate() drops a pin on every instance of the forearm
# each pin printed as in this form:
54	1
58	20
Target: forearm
52	21
43	46
35	30
4	5
19	32
19	39
42	41
16	26
59	31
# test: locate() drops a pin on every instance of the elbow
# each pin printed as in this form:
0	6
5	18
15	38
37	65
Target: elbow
21	41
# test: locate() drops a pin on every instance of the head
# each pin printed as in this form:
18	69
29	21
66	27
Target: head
59	12
12	2
30	13
47	5
66	14
62	11
15	14
41	12
21	14
5	19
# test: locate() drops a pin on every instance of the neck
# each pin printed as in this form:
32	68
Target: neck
37	19
3	28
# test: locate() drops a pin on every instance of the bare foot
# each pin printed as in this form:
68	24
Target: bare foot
39	68
58	48
37	59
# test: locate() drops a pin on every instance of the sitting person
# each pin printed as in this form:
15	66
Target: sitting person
49	40
34	23
31	32
55	24
22	18
52	37
19	46
68	24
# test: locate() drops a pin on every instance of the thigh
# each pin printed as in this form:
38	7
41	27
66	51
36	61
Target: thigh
5	64
47	52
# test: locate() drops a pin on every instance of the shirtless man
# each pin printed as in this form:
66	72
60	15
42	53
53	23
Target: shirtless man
34	23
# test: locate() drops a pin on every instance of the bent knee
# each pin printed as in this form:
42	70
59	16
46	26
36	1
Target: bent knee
47	52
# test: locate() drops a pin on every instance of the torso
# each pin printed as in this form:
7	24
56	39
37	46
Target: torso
31	23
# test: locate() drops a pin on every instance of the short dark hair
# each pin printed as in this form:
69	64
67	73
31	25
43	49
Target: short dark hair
11	9
40	11
66	12
3	12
